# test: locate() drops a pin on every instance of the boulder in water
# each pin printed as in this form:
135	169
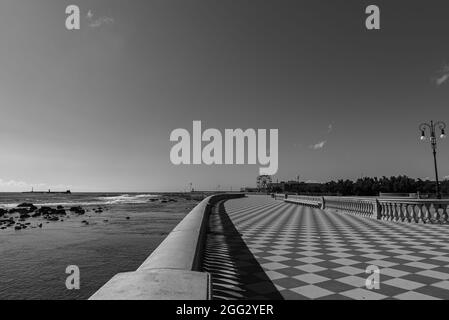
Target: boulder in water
3	212
77	210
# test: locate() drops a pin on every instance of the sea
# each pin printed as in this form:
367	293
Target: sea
34	261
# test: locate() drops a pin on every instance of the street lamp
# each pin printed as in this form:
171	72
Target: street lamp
433	142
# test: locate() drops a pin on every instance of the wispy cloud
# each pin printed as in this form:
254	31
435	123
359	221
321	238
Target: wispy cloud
325	137
19	186
95	22
443	75
319	145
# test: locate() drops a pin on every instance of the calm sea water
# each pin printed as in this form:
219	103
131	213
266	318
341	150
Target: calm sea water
33	261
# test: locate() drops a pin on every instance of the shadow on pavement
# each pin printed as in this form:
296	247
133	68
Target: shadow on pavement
235	272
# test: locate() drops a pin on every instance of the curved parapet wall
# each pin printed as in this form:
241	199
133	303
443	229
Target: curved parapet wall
171	272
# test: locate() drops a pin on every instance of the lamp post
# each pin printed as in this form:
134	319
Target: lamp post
433	142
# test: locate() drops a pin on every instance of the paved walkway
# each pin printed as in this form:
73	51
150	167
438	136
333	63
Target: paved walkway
260	248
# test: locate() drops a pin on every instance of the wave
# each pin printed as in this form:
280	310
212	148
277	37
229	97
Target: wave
126	198
97	201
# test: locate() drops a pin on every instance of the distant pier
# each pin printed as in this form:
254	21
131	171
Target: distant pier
49	192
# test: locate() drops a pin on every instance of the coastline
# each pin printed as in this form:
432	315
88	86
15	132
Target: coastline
116	239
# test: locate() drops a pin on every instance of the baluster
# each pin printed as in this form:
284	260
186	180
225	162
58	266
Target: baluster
428	214
393	211
408	215
382	209
399	213
389	211
401	216
414	216
444	214
404	212
421	218
436	215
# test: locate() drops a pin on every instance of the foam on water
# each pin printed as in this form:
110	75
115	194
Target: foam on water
85	201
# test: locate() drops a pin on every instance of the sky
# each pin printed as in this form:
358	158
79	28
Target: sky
93	109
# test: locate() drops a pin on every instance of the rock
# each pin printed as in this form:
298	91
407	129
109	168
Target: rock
49	211
60	212
31	207
51	218
59	207
17	228
78	210
3	212
36	214
19	211
99	210
43	211
24	216
40	225
25	205
127	218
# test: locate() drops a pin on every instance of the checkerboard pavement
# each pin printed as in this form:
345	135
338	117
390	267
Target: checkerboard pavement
308	253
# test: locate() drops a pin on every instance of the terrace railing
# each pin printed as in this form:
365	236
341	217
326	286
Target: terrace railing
414	210
433	211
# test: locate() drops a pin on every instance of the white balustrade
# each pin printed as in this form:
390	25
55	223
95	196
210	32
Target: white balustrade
432	211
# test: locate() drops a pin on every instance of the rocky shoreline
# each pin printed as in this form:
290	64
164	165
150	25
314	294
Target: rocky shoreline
19	218
28	215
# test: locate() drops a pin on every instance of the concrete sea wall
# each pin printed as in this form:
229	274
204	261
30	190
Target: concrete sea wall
171	272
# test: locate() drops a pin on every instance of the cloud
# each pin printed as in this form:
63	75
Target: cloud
19	186
319	145
94	22
446	178
443	75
